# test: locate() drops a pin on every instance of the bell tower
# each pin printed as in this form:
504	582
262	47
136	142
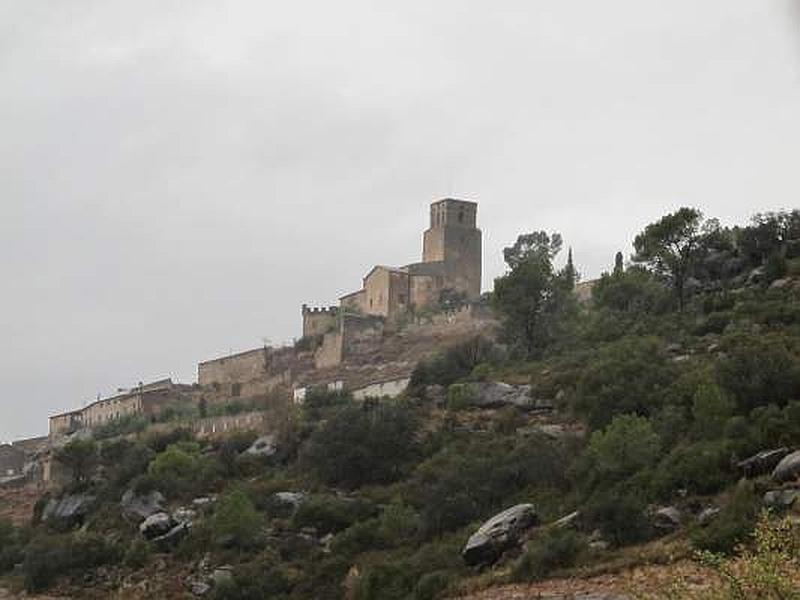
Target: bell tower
454	240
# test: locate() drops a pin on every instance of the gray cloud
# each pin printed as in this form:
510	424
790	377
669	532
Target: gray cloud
176	177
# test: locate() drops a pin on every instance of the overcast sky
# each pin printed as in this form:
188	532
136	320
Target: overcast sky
178	177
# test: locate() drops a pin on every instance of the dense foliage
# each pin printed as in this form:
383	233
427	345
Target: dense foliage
685	362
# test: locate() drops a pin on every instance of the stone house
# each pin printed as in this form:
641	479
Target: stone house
451	260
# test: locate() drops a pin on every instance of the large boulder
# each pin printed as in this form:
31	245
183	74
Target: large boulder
170	539
290	499
498	534
781	499
264	446
157	525
763	462
69	510
137	507
497	394
788	469
667	518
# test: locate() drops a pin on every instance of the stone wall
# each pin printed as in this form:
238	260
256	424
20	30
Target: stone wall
12	460
244	366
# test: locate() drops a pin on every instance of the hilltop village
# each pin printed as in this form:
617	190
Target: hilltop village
369	344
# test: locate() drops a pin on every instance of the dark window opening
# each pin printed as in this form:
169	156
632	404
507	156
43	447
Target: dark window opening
236	390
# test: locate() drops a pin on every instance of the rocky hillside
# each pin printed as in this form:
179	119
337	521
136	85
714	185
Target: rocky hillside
642	445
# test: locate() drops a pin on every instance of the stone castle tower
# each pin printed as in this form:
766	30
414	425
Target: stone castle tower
454	240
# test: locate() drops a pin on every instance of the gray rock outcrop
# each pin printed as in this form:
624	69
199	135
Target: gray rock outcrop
498	534
763	462
788	469
781	498
137	507
156	525
264	446
69	510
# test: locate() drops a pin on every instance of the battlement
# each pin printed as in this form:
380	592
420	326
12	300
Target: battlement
330	311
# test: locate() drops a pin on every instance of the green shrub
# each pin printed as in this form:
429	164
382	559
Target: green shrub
460	396
760	370
619	513
255	581
138	554
734	523
356	446
50	557
176	470
236	518
330	514
553	549
432	585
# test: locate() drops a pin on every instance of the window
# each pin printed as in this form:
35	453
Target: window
461	216
236	390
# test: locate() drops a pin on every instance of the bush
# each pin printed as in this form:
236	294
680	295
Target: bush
628	445
236	518
138	554
330	514
176	470
619	513
551	550
628	376
12	545
254	581
358	446
700	468
734	523
760	370
48	558
460	396
455	364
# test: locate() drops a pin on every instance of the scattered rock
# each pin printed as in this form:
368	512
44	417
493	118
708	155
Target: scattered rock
156	525
69	510
781	498
788	468
707	515
763	462
498	534
293	499
756	276
667	518
170	539
498	394
567	522
681	358
184	515
780	284
198	588
204	501
265	446
137	507
674	348
222	574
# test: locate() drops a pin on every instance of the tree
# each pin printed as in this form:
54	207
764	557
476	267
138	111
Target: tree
80	457
532	298
356	446
626	446
711	409
236	518
619	264
670	246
